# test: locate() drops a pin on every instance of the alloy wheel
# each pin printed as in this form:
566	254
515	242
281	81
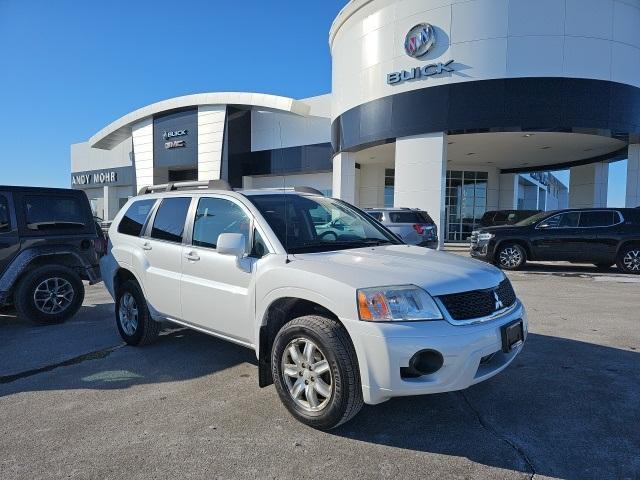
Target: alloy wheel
128	314
307	374
53	295
631	260
510	257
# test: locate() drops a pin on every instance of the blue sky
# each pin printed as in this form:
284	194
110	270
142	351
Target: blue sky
70	67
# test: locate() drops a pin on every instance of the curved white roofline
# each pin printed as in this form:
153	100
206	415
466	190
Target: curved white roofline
349	9
114	133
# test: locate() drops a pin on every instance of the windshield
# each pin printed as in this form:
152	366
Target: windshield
317	224
534	219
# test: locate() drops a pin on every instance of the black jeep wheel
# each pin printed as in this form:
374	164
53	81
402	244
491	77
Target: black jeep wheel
49	294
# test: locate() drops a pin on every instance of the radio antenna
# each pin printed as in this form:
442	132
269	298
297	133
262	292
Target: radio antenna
284	199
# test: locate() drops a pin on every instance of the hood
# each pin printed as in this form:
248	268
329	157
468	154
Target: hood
501	229
437	272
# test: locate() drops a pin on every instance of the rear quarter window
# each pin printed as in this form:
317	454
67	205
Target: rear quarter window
5	223
46	212
410	217
135	217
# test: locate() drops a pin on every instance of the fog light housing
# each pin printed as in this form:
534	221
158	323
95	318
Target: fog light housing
424	362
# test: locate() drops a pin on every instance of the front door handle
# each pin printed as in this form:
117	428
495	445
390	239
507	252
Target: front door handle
146	246
194	257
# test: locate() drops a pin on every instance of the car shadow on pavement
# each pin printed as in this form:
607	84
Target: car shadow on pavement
565	408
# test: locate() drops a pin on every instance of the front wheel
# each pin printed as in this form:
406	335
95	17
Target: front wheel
511	256
629	259
315	371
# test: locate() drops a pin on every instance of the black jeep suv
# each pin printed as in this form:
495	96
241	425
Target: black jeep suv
603	236
48	243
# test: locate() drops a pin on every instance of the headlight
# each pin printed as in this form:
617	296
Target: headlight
396	304
484	237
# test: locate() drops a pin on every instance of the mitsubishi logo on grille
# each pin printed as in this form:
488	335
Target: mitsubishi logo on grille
499	304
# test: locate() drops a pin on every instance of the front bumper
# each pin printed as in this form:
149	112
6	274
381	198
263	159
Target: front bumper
482	251
384	348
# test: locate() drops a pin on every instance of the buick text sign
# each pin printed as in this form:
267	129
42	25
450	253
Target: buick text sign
419	72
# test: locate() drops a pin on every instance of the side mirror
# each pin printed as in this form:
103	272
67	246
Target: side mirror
231	244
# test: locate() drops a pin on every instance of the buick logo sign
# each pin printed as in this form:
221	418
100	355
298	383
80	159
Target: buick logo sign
419	40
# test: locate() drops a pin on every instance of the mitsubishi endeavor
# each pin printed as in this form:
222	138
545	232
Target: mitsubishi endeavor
337	318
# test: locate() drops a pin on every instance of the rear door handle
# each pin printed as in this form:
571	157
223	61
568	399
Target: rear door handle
194	257
146	246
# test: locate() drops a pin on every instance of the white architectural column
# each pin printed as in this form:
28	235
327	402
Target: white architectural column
421	163
344	177
142	134
588	185
633	176
210	137
371	185
508	197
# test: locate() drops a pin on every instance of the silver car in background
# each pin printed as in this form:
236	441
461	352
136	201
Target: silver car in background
413	226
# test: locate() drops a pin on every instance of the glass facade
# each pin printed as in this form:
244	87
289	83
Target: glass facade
466	203
389	182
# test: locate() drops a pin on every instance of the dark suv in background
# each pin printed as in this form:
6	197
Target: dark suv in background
604	237
48	241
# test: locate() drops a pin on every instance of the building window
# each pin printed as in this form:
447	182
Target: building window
389	182
466	203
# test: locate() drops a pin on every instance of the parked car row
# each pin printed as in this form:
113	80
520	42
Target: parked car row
603	237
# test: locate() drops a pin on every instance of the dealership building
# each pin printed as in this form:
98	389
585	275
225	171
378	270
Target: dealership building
453	106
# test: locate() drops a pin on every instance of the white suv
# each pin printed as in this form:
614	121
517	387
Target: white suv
337	318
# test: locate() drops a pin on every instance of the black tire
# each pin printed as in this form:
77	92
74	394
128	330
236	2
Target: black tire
334	344
510	256
65	288
603	266
629	259
146	329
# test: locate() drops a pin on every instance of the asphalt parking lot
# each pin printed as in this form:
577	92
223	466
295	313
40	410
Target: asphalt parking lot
76	403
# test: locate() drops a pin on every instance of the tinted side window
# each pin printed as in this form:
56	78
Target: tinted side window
569	220
44	212
215	216
169	221
259	249
501	217
5	223
405	217
135	218
599	218
376	215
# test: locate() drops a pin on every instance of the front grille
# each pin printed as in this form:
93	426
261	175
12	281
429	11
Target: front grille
473	239
479	303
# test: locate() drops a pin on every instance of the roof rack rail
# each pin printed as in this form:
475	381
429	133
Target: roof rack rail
168	187
311	190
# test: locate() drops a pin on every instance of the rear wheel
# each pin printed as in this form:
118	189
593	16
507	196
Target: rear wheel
49	294
315	372
134	323
511	256
629	259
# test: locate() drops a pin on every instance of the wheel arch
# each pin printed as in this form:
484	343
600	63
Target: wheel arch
277	314
518	241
